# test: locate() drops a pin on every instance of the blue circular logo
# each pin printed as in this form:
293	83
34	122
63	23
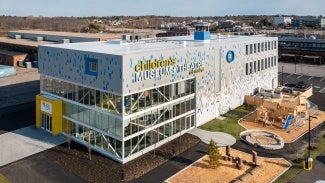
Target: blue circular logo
230	56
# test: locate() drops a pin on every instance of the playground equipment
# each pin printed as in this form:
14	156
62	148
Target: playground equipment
286	112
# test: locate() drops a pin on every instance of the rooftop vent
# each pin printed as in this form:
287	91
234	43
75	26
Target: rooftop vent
131	38
39	38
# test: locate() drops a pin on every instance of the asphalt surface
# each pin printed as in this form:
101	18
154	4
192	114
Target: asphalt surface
174	165
38	168
16	117
35	168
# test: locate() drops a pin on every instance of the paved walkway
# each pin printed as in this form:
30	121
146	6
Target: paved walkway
221	138
25	142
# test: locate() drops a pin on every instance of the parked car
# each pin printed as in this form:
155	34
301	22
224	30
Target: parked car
287	90
301	85
290	85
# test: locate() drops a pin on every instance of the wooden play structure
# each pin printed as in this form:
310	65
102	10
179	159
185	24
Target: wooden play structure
282	112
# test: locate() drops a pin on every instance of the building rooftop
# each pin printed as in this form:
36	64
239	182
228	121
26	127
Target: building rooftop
304	40
116	47
25	42
11	53
99	36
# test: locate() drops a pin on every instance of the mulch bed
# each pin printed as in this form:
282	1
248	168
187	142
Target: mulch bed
103	169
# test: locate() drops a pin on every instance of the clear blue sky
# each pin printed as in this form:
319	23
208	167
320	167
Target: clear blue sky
49	8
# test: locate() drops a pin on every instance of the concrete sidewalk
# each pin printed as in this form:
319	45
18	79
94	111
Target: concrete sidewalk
221	138
25	142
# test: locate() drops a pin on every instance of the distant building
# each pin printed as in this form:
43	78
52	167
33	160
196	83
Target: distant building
310	51
11	57
23	44
282	20
309	22
227	24
176	31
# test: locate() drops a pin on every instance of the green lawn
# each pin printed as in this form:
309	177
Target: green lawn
3	179
230	123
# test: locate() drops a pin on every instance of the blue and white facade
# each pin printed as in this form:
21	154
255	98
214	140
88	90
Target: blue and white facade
125	99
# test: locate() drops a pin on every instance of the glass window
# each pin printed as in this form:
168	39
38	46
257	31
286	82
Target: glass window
127	104
265	64
262	64
258	65
193	103
246	49
250	48
247	69
250	67
254	66
142	142
93	66
262	47
259	47
255	48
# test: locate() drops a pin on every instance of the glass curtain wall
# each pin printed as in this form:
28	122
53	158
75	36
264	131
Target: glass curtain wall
149	116
172	112
95	98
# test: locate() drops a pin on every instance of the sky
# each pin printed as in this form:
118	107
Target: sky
181	8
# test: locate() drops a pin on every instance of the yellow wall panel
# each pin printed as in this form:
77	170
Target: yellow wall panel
56	113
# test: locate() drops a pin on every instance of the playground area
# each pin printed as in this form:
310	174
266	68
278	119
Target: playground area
267	169
285	115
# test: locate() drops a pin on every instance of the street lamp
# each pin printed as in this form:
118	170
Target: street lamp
282	76
308	160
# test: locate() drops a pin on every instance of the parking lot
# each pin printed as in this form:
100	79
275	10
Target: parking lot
318	83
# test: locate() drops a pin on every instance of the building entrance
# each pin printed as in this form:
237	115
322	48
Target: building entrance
46	122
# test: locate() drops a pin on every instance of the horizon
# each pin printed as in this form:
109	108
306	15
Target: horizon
181	8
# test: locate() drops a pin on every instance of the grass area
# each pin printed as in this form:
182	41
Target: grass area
297	167
230	123
3	179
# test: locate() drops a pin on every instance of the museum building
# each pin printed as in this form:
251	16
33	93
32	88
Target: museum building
126	97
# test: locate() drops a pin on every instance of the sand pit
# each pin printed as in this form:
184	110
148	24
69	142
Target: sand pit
268	170
249	122
262	139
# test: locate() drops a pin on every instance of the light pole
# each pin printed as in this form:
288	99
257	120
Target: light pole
282	76
308	159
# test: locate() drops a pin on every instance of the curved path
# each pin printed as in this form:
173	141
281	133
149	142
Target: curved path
221	138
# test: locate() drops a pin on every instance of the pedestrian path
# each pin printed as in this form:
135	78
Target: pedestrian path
221	138
25	142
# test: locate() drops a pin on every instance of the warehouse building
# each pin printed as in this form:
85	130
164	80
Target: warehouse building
127	97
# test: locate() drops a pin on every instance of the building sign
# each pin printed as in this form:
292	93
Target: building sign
230	56
46	107
149	69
